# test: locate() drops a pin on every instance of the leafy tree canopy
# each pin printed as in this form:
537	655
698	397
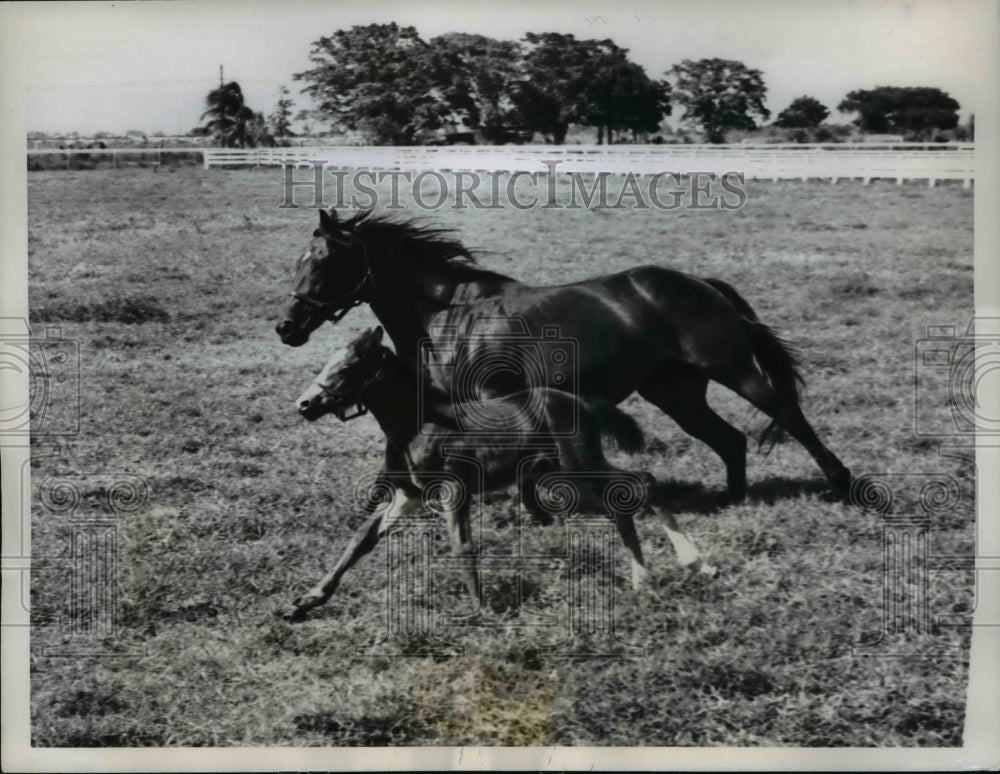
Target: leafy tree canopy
386	81
280	120
476	75
591	82
230	120
620	96
914	110
720	94
377	78
549	82
803	113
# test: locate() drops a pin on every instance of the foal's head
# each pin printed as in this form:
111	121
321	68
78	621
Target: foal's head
341	385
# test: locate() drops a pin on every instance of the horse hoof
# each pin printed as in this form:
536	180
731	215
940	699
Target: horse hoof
841	483
298	611
837	494
703	568
293	615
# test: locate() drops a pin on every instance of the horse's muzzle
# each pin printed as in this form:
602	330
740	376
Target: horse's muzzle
310	409
291	334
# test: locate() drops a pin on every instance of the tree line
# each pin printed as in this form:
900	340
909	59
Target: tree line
386	82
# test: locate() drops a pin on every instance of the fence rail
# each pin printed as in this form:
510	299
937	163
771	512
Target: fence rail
903	161
896	161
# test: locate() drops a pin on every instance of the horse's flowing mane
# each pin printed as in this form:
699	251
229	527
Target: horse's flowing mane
426	242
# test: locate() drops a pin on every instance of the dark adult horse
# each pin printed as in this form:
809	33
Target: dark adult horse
649	329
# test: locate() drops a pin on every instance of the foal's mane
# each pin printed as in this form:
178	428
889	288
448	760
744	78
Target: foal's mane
425	245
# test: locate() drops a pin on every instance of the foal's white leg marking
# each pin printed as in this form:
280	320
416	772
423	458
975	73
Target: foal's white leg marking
640	575
687	551
401	505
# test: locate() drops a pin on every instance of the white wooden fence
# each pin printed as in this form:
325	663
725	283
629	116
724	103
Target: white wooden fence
898	161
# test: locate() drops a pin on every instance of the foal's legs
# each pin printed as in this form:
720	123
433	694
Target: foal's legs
687	551
363	541
530	500
679	391
626	528
460	533
592	501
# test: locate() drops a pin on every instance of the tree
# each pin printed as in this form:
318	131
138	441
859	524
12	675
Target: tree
913	110
229	118
618	95
376	78
281	119
257	133
591	82
720	94
305	118
803	113
552	80
475	75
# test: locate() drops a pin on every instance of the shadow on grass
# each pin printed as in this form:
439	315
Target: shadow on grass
687	497
770	490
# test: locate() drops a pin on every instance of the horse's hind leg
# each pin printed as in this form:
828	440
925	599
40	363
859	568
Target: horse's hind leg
687	552
592	501
788	414
679	391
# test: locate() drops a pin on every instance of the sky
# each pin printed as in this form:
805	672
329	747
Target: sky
95	66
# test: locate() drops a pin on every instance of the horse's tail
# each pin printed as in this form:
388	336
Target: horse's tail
617	426
776	357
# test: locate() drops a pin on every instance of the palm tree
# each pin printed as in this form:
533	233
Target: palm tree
230	119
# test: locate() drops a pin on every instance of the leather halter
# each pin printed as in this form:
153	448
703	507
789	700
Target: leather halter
332	310
340	398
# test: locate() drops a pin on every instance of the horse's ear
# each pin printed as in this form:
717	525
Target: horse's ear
328	220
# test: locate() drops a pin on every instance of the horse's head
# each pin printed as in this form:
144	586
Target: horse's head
331	277
340	386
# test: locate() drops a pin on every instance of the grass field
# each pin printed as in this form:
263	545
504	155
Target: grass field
172	280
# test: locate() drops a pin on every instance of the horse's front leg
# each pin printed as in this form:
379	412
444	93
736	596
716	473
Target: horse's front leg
362	542
626	529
